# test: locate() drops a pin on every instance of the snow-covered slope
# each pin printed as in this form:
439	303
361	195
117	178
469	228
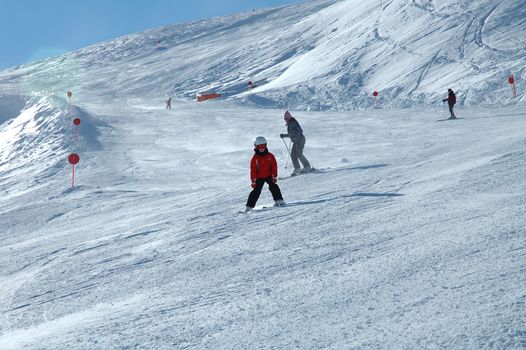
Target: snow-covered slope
317	55
410	236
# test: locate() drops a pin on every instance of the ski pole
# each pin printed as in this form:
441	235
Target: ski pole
288	152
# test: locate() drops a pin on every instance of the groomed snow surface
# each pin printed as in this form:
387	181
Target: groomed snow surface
411	235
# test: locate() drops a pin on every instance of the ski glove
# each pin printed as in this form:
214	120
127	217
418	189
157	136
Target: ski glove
274	179
283	135
253	184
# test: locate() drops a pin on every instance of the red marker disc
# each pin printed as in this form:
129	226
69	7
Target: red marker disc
73	158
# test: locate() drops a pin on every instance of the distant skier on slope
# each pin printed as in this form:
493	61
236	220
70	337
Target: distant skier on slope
451	100
169	103
295	132
263	168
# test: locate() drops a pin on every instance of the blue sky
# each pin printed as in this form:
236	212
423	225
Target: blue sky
36	29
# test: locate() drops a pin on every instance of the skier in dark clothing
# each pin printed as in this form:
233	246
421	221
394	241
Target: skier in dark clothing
451	100
295	132
263	168
169	103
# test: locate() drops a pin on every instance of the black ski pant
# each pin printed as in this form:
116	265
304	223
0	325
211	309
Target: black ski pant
296	154
256	192
452	114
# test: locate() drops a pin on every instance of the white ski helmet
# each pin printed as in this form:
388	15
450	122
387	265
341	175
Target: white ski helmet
260	140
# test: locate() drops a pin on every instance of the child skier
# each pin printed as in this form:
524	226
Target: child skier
263	168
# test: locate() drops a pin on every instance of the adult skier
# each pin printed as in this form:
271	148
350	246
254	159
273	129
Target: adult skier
295	132
263	168
169	103
451	100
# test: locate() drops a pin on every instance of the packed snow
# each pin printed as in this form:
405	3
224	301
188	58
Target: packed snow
410	234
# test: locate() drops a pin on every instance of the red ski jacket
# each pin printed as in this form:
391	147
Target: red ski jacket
451	98
263	165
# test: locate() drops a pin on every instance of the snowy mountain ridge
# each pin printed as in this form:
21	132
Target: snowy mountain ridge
317	55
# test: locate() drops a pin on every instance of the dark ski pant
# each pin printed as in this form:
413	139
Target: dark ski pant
452	114
296	154
256	192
